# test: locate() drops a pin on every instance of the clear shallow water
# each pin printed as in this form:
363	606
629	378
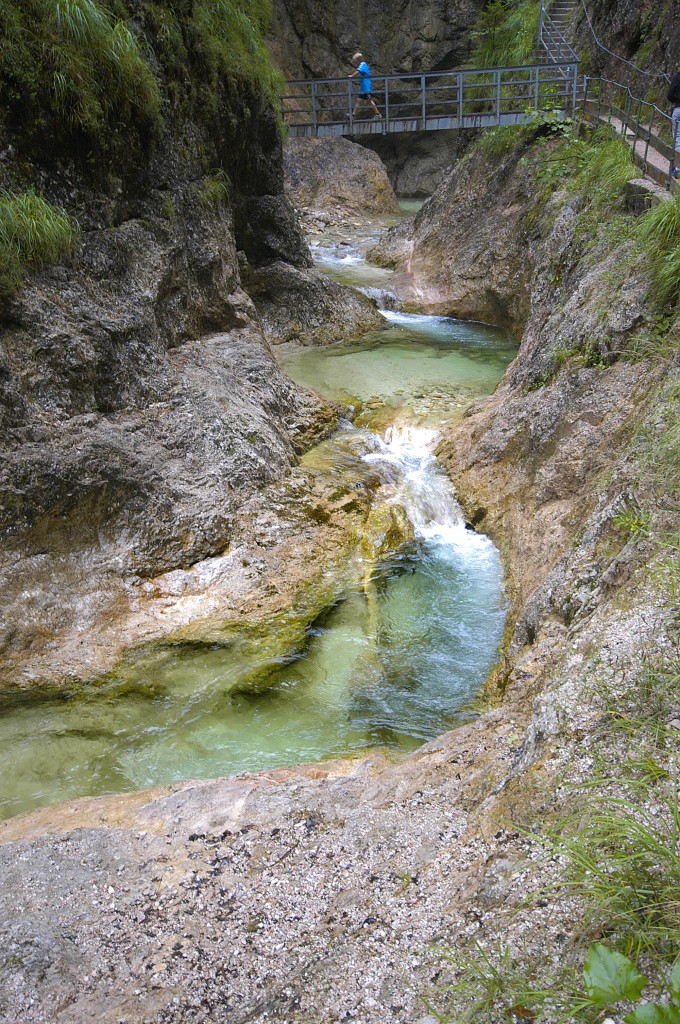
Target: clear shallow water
391	665
429	365
344	260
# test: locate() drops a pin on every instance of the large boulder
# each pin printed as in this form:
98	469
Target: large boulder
337	175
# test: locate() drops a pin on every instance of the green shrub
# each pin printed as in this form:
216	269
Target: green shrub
71	62
228	38
32	232
505	34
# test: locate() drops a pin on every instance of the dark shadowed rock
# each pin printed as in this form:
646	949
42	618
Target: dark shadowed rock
307	307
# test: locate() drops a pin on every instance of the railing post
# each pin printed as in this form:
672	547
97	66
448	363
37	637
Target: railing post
498	96
537	80
574	89
460	98
599	101
387	104
315	120
424	108
649	135
626	107
637	125
349	105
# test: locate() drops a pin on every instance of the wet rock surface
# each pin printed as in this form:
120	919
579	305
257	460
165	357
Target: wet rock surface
318	891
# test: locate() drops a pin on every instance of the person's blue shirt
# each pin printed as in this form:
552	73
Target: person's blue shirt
365	76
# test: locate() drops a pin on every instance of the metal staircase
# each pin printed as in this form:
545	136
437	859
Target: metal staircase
552	26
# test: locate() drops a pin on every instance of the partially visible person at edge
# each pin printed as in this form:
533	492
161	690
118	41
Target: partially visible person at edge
674	99
365	94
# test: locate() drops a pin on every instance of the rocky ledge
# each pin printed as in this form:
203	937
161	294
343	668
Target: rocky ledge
322	892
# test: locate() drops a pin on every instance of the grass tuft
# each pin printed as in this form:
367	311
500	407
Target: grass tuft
69	66
32	233
505	34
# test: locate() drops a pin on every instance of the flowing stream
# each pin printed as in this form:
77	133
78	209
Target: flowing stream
397	661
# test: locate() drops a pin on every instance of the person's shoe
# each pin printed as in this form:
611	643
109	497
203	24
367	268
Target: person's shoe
377	117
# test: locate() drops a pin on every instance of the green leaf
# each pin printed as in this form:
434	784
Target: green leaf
675	982
654	1013
611	977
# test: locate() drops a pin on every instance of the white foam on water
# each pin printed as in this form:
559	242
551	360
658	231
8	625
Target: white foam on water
334	257
416	320
429	498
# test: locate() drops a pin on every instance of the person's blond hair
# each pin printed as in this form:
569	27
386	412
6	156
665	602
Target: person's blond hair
357	56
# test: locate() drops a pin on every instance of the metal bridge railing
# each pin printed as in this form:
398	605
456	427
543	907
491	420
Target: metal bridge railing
475	98
647	129
553	42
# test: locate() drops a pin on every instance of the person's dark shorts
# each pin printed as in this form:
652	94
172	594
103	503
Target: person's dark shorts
366	95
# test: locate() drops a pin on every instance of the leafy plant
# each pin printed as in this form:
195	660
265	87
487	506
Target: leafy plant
633	521
505	34
609	978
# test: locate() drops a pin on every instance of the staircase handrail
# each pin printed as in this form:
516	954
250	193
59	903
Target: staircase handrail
643	123
548	33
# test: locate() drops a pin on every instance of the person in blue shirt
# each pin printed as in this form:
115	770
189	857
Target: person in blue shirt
365	94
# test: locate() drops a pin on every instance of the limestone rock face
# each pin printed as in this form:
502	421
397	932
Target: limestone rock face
335	174
140	403
137	417
312	40
547	452
464	253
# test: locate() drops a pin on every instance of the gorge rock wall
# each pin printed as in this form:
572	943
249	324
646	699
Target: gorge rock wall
325	891
140	402
314	41
646	35
544	464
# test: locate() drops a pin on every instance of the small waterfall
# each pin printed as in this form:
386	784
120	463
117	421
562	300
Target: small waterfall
418	482
383	298
422	487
